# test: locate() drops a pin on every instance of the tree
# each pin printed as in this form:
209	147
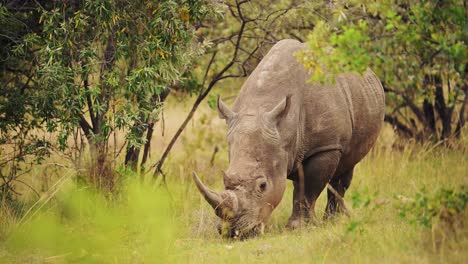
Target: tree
103	66
20	117
247	32
418	49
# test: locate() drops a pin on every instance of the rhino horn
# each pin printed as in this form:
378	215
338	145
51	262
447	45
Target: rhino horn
279	110
225	204
212	197
224	111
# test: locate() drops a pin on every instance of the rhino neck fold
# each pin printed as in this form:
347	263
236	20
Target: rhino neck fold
294	145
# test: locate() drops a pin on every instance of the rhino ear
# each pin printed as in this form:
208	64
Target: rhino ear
279	111
224	111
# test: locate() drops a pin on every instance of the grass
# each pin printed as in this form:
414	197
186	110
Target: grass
374	233
147	224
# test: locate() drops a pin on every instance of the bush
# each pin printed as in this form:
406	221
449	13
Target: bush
446	205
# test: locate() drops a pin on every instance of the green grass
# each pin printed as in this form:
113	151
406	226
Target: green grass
144	223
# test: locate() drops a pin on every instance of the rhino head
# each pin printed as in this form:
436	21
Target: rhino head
256	178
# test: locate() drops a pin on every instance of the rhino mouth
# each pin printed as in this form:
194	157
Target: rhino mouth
241	234
257	230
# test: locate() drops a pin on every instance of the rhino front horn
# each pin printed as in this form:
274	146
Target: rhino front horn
225	204
212	197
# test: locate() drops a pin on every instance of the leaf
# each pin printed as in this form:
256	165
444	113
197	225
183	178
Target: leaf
212	101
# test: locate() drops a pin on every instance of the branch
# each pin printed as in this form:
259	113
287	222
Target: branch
461	115
340	200
223	39
219	76
409	102
398	125
27	185
208	69
85	126
89	101
296	37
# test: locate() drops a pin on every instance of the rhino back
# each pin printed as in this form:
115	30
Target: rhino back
278	74
328	124
346	117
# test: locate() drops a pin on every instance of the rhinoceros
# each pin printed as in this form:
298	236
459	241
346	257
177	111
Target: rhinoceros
280	120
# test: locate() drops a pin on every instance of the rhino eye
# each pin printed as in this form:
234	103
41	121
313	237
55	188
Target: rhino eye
262	186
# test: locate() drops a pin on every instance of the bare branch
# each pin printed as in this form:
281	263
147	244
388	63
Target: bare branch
27	185
219	76
409	102
398	125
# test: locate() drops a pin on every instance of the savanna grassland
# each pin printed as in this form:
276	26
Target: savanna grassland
399	211
94	93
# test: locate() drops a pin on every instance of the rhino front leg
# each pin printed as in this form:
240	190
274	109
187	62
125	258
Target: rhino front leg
318	170
300	210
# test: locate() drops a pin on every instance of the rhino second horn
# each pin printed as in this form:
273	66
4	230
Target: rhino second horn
212	197
224	111
279	110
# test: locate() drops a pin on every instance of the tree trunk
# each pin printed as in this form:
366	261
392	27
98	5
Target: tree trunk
131	157
430	128
101	172
445	113
149	135
133	153
461	116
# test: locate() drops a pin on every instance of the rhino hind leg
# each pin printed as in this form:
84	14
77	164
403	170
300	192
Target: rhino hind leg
340	183
318	171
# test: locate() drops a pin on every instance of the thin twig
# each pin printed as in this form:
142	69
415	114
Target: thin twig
215	150
27	185
43	199
340	200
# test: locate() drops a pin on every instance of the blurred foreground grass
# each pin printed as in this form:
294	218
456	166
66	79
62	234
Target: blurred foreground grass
145	223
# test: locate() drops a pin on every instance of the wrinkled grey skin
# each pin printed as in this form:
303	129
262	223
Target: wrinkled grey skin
278	121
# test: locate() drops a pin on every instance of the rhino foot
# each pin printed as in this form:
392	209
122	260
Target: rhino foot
295	223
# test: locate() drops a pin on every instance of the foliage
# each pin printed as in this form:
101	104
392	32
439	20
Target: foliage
446	205
113	55
361	199
21	146
418	49
134	227
96	67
